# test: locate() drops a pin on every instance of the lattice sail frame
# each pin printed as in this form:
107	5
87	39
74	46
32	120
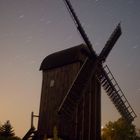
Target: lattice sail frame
113	90
115	93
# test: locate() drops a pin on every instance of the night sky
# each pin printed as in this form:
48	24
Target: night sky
32	29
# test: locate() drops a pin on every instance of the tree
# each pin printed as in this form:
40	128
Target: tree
10	138
7	132
119	130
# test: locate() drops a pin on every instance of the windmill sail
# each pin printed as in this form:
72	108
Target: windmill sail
110	43
109	84
80	28
79	85
115	93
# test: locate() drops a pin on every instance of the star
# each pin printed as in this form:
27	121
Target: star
135	47
21	16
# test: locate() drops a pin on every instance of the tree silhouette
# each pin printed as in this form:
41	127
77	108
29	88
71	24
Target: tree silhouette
6	130
119	130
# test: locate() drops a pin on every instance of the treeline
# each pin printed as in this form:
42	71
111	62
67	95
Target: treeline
7	132
117	130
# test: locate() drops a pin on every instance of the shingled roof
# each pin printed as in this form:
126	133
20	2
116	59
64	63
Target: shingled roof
65	57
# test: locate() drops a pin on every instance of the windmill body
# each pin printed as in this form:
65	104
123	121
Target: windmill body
59	72
74	99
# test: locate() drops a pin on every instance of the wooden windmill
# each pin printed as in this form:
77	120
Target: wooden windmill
71	90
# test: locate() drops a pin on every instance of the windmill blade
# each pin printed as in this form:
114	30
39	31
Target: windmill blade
80	83
78	88
89	67
110	43
80	28
115	93
108	46
109	84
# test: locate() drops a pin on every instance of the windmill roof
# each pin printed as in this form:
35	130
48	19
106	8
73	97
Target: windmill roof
65	57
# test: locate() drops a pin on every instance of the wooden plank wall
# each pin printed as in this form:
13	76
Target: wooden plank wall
89	113
52	96
86	123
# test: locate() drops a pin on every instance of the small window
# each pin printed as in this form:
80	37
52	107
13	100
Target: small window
51	83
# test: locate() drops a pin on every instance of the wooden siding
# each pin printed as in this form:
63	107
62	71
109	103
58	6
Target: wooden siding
89	113
86	120
51	97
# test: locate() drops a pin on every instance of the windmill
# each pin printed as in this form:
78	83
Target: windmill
103	74
71	83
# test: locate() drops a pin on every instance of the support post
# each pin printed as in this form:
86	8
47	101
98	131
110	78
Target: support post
32	119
